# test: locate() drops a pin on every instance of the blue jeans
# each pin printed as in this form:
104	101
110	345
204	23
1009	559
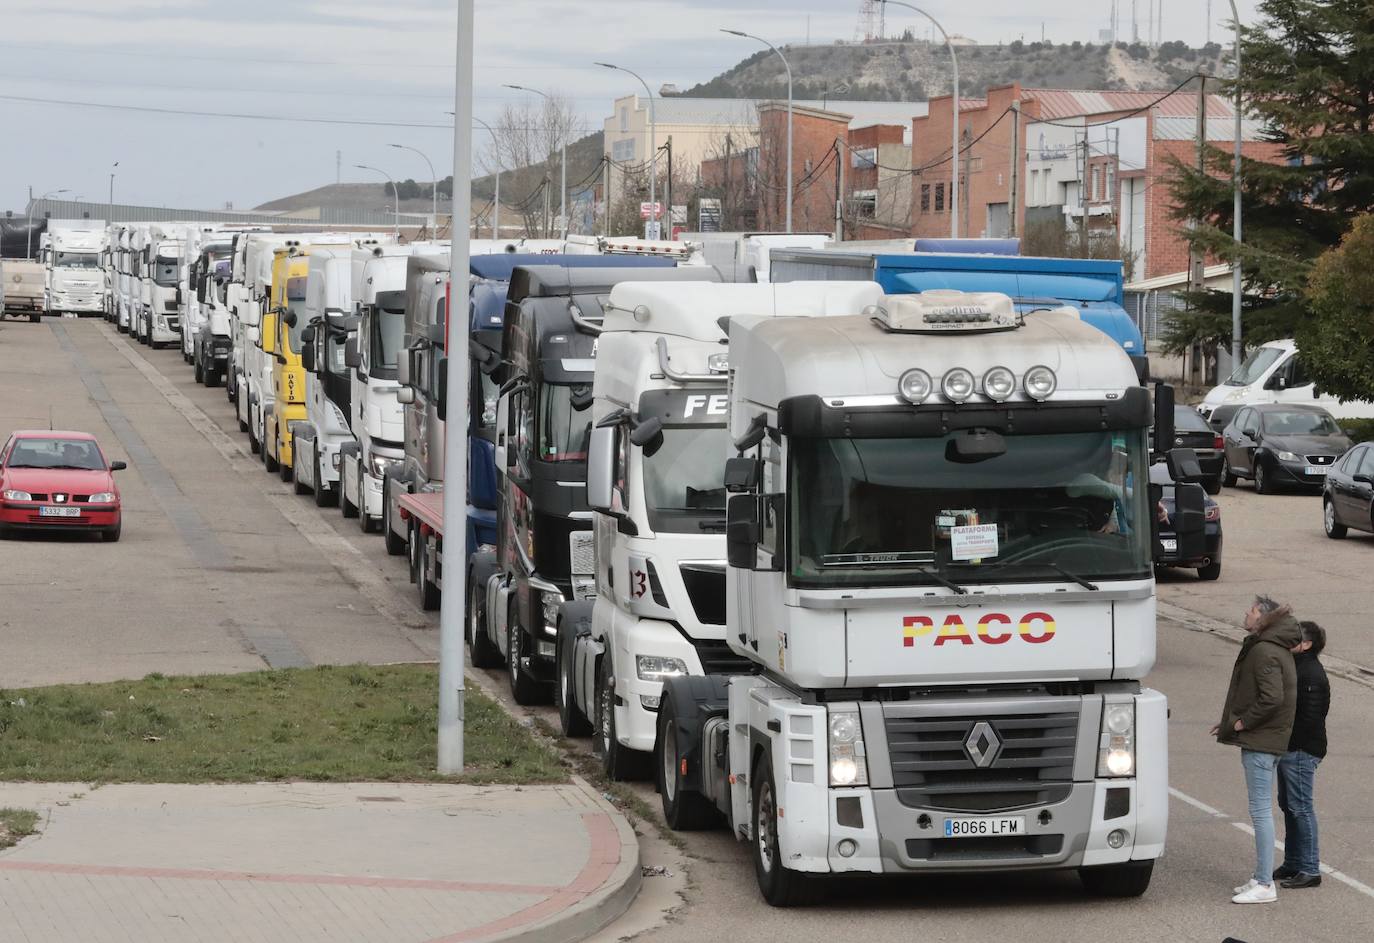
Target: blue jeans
1297	771
1259	784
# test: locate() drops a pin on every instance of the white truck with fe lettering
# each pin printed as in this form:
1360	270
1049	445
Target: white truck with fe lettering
659	416
939	540
74	280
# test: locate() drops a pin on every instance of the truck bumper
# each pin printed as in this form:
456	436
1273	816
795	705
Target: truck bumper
636	718
166	329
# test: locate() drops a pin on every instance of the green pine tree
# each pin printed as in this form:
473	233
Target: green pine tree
1308	77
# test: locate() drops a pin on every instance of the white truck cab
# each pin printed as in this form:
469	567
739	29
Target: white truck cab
939	541
329	320
659	416
74	282
1274	373
164	251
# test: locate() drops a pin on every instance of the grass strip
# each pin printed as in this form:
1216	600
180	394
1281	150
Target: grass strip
328	724
16	824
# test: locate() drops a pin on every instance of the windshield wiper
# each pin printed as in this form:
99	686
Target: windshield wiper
1072	577
942	580
712	523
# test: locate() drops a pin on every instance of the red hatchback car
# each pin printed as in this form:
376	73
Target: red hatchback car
58	481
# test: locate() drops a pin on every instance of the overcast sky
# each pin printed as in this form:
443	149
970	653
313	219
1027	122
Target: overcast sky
382	61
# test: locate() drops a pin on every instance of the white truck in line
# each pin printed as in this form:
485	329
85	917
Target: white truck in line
159	251
73	281
329	320
939	539
659	413
249	288
123	280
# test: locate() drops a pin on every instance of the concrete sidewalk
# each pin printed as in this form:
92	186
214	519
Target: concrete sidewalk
315	862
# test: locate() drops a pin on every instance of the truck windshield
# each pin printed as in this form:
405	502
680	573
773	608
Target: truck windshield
915	511
166	270
1254	367
388	335
295	303
563	431
684	481
76	260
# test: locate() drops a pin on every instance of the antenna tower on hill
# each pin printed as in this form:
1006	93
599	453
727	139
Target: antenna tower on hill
872	21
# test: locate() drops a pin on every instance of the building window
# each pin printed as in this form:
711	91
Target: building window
939	198
1111	184
1097	184
624	117
865	203
623	150
925	198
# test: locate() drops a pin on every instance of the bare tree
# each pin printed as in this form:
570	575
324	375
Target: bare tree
529	137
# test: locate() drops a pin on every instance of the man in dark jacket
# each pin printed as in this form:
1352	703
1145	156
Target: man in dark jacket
1258	718
1298	767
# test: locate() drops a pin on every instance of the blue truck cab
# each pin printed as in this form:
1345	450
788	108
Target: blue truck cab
490	282
1093	286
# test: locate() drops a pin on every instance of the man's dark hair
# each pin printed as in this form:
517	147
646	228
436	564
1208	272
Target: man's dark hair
1311	632
1266	605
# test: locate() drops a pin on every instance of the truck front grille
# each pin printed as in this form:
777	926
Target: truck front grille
936	759
705	585
581	556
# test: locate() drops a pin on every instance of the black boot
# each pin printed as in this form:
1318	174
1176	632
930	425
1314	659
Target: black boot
1302	879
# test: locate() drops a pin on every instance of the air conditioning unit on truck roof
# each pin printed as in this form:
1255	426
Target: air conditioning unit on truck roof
939	536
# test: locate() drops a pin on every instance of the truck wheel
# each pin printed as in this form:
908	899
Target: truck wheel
429	593
780	886
485	654
346	507
268	462
324	497
1117	880
285	470
254	445
211	376
617	762
394	545
35	318
413	541
197	370
523	688
570	718
685	810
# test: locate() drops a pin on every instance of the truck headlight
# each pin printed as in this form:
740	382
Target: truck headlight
104	497
848	765
657	667
552	601
1116	749
14	494
378	464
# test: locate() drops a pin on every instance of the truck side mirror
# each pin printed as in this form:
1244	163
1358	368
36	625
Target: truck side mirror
308	357
405	395
742	531
1164	418
648	434
600	453
741	474
352	356
1190	520
1183	466
403	369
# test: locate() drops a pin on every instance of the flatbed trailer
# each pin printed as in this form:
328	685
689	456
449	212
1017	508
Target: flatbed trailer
426	508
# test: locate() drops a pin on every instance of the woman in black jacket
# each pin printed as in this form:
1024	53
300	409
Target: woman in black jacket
1298	767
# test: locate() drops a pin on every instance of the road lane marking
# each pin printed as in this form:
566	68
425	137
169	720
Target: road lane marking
1248	829
350	562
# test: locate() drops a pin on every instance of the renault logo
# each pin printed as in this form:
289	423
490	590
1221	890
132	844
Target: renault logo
982	744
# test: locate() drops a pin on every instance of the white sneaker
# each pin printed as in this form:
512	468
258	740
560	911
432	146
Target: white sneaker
1258	894
1246	886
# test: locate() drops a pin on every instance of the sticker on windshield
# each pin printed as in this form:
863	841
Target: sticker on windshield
973	542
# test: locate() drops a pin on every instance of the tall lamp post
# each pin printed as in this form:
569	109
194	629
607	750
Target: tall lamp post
653	142
110	211
791	193
434	187
954	131
563	159
394	192
496	198
28	245
1236	346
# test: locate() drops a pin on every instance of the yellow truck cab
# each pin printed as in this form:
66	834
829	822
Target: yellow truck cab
287	312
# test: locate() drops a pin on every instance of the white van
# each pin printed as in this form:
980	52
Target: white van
1274	373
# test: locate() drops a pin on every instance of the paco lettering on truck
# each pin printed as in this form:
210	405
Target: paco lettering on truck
993	628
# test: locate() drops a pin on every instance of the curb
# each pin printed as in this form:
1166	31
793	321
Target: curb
1196	622
602	906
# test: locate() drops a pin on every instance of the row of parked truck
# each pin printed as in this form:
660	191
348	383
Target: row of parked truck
856	561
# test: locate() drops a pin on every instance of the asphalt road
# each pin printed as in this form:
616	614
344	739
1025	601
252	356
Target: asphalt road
222	568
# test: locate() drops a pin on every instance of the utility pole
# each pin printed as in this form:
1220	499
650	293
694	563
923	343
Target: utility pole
1083	200
1195	260
968	180
606	194
669	197
1014	198
839	192
547	181
725	203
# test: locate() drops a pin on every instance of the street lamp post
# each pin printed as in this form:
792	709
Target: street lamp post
496	198
1235	222
653	142
434	187
563	159
954	132
394	192
28	245
110	211
791	193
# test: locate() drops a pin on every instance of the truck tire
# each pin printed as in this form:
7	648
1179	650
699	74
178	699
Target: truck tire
618	763
524	689
429	593
685	810
780	886
1117	880
35	318
254	445
196	369
394	545
347	507
268	462
573	722
484	652
211	376
285	470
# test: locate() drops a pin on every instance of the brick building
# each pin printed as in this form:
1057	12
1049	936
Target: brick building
820	141
878	185
1103	155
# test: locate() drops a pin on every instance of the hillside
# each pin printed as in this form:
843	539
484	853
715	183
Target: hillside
914	70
